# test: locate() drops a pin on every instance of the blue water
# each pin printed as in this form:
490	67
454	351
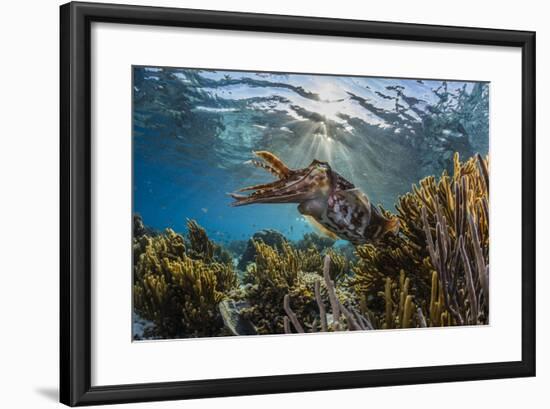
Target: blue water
194	132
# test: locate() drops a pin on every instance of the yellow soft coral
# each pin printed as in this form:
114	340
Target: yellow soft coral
454	207
180	294
278	273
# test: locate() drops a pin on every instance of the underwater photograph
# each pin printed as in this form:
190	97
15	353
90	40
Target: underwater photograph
285	203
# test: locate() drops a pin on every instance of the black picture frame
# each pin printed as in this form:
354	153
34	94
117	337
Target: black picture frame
76	199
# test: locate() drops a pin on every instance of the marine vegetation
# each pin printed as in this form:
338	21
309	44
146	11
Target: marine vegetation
179	282
433	272
341	318
312	239
331	202
202	248
400	311
436	272
270	237
277	273
444	228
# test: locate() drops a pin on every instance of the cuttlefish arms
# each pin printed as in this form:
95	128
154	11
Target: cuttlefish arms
276	192
289	188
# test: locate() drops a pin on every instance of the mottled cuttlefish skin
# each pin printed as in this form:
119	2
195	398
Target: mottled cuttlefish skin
334	203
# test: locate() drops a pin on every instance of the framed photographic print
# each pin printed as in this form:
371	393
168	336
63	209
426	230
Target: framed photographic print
262	204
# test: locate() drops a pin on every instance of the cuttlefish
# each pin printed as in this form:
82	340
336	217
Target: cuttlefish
329	201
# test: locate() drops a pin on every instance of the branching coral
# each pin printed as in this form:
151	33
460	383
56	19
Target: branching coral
454	212
459	249
339	266
399	311
201	247
270	237
320	243
398	304
436	271
438	316
286	272
464	284
180	294
275	268
342	318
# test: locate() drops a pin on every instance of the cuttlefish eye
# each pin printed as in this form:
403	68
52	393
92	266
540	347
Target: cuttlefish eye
321	166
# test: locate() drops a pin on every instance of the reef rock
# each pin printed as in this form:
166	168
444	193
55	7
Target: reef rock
140	229
233	320
268	236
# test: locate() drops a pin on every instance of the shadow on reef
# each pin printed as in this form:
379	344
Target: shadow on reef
435	272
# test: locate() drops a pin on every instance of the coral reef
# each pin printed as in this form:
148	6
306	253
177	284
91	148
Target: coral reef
444	228
438	315
433	273
268	236
140	229
398	305
234	320
176	287
237	247
341	318
464	283
397	313
277	273
202	248
320	243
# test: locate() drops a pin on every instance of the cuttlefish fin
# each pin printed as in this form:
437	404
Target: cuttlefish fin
274	162
320	228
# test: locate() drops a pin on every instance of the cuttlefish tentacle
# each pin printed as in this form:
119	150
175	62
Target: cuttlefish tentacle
270	169
261	186
330	201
